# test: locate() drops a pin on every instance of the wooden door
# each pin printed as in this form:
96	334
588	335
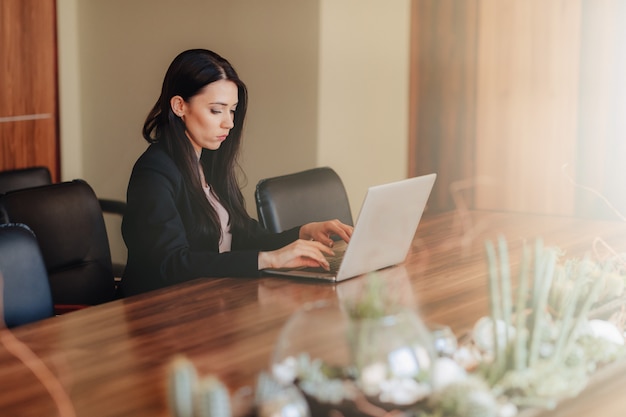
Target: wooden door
28	85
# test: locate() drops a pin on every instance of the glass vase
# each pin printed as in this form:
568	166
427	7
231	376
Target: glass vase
347	364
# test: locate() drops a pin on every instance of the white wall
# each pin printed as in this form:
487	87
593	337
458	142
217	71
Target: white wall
328	83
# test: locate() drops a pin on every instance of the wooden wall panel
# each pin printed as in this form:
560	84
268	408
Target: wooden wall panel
494	100
28	82
442	99
527	102
28	143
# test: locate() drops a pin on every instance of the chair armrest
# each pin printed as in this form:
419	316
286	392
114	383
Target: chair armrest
112	206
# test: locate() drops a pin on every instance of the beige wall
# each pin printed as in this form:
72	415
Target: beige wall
69	91
328	82
364	91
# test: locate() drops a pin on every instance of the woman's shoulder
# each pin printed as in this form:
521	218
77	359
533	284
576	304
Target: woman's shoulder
156	160
155	152
156	157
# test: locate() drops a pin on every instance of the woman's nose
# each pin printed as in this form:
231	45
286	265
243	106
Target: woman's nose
228	121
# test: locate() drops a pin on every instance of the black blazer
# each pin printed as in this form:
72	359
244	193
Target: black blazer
164	247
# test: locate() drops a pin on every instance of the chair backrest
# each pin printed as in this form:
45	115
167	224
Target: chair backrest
67	220
307	196
16	179
26	291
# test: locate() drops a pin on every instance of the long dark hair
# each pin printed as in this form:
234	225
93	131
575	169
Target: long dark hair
189	73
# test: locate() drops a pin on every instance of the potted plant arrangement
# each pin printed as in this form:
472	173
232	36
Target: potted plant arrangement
539	345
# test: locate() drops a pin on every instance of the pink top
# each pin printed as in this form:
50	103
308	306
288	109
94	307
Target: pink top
226	237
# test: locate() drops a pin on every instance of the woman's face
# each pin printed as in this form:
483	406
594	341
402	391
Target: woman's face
208	115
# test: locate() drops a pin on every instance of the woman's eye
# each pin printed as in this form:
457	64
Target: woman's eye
215	111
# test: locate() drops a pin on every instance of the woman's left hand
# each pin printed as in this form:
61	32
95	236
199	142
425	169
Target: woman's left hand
322	231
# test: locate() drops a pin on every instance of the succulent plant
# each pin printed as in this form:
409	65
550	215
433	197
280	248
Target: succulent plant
542	355
182	385
190	396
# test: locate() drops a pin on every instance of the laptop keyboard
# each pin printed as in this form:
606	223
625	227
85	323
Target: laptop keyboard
334	261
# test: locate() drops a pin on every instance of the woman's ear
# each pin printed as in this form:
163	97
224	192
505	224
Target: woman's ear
178	106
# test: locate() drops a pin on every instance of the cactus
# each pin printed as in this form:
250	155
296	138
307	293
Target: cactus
190	396
183	381
212	399
546	359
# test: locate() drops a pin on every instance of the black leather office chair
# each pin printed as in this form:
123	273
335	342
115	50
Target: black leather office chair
69	225
17	179
291	200
25	286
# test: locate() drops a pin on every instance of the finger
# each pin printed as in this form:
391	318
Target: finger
312	249
325	238
324	248
317	254
314	258
314	263
345	234
340	229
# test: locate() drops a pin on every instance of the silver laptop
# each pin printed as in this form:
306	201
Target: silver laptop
383	233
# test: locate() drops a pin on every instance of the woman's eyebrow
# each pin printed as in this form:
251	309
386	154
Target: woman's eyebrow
218	103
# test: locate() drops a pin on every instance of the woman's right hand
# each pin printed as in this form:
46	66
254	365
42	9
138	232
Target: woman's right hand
301	253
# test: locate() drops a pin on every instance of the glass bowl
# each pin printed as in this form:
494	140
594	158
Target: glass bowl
347	364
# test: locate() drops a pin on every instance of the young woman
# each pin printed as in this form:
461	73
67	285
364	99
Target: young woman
185	213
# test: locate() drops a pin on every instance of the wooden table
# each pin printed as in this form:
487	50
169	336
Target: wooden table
112	358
